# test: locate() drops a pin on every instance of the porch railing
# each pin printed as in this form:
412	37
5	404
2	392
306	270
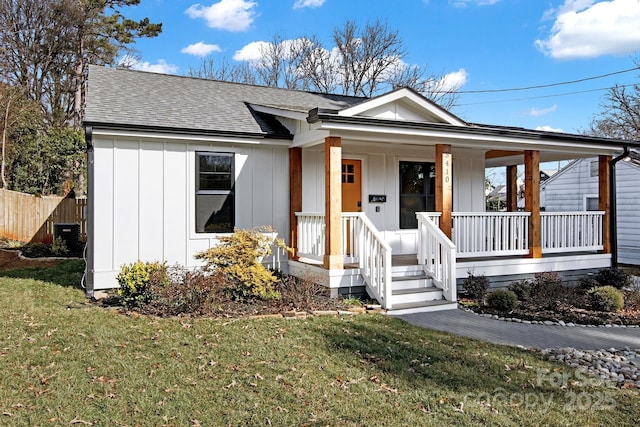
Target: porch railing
478	234
563	231
362	243
311	235
437	255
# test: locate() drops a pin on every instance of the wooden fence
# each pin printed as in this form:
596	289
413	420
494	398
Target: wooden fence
29	218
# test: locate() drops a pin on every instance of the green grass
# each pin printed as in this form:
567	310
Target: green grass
66	362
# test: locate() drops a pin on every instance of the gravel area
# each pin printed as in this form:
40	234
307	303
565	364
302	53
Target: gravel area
617	367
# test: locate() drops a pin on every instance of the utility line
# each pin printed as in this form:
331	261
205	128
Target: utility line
548	85
543	96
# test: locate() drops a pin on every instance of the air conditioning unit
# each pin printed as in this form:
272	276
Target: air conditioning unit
69	233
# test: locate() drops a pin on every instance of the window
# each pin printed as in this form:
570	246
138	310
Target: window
214	193
591	203
593	170
417	191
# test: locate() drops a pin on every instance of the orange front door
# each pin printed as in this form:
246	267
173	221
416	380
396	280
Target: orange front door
351	186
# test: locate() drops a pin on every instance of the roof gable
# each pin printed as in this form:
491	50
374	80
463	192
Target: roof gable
402	105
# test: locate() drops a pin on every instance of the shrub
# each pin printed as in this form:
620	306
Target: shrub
502	299
587	283
522	289
476	286
613	277
59	247
239	257
606	298
187	292
138	280
547	289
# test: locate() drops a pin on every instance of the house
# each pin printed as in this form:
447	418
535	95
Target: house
575	188
384	194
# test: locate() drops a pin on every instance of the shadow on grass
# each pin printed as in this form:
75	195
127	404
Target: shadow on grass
65	273
420	358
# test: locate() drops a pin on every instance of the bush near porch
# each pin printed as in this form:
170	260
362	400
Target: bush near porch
610	296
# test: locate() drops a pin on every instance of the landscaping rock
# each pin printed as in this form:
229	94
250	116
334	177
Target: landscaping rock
618	367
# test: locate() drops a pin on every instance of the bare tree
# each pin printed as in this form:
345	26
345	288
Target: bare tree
238	73
366	56
364	62
620	115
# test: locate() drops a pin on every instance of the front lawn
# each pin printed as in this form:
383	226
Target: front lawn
65	361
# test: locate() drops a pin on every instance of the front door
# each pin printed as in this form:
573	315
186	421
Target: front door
351	186
351	198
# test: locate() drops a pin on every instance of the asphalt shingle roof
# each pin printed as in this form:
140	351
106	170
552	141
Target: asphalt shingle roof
136	98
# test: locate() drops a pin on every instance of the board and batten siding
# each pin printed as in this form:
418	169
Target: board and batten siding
380	175
568	191
144	200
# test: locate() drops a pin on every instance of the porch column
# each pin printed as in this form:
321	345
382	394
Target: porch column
604	201
444	187
333	258
512	188
532	201
295	197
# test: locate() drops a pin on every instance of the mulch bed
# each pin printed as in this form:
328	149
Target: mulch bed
10	260
567	313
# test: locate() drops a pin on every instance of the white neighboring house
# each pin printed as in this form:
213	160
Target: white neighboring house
575	188
384	194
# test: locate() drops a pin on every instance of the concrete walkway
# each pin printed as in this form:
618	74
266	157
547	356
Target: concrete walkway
464	323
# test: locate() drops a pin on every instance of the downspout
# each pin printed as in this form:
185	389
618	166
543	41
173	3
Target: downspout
88	253
613	222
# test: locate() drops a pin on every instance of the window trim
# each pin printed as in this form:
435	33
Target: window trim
198	191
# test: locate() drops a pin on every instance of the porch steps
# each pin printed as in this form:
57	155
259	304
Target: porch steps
413	292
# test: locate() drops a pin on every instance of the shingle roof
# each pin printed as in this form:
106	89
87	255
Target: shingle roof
135	98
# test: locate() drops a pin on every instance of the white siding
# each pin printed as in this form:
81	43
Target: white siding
144	200
567	192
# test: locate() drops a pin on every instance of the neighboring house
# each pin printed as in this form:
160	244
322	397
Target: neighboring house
384	194
575	188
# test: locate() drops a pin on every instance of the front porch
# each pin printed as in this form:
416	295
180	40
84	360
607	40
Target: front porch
496	244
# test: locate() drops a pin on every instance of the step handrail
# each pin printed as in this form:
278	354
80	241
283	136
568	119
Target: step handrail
437	255
374	259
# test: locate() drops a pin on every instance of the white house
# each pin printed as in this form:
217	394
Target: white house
385	193
575	188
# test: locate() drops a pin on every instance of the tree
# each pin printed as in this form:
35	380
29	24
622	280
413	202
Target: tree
16	111
365	61
48	43
620	115
42	161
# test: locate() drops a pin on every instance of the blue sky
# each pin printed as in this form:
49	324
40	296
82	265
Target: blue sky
482	44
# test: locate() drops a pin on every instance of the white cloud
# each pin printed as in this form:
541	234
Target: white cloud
161	67
465	3
251	52
587	29
534	112
201	49
299	4
454	81
547	128
230	15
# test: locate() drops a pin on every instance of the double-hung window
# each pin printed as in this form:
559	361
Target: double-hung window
215	202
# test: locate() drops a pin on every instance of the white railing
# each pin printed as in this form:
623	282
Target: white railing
564	231
478	234
311	235
437	255
374	258
361	243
